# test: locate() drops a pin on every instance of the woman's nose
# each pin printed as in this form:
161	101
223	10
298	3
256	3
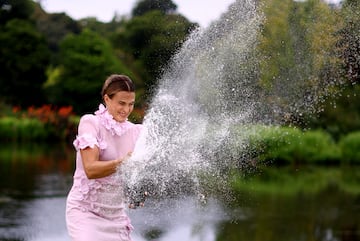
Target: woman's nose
127	108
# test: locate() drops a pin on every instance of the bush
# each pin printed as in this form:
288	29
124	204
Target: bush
7	128
38	123
350	148
285	145
318	147
15	129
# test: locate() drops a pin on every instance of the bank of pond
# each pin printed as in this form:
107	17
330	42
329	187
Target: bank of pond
291	181
31	159
277	145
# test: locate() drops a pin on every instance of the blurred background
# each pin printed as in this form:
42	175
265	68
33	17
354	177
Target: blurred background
301	185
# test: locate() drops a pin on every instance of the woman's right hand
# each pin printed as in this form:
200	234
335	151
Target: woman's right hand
119	161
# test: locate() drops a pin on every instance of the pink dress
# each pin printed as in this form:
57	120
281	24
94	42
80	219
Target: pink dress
95	208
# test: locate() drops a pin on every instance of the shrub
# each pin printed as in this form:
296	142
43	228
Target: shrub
38	123
285	145
350	148
282	146
15	129
318	147
8	128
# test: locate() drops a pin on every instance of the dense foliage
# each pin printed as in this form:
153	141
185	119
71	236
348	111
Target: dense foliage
50	58
77	54
45	57
24	54
165	6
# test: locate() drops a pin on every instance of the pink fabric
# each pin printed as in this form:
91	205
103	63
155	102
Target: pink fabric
95	209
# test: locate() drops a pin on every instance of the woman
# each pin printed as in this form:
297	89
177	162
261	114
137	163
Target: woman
95	208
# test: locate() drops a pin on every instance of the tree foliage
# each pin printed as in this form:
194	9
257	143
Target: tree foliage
86	60
309	43
24	54
11	9
144	6
349	43
297	41
152	39
275	44
341	115
55	26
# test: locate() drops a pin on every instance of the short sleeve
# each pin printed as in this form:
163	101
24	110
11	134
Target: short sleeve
87	133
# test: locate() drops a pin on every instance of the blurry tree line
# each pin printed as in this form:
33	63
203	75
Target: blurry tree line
317	44
50	58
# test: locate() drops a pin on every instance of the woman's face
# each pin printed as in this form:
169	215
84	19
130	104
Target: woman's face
121	105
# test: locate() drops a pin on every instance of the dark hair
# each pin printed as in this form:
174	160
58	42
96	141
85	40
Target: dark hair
115	83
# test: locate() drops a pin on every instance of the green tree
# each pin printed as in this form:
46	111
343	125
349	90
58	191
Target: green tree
54	26
24	57
152	39
349	44
275	43
341	113
11	9
321	23
104	29
86	60
144	6
297	42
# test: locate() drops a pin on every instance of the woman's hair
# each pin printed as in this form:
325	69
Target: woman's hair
115	83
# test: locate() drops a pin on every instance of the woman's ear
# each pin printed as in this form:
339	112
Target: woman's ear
106	99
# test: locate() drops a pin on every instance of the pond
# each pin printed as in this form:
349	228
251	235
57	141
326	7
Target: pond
35	179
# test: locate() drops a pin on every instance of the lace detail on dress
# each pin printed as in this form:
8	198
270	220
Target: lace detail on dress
88	189
103	197
107	120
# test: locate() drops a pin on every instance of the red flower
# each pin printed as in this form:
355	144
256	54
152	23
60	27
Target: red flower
65	111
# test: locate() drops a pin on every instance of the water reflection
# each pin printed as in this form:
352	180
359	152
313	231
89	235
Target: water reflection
34	182
43	219
33	219
178	220
329	215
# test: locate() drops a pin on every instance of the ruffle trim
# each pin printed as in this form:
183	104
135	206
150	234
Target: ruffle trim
107	120
87	140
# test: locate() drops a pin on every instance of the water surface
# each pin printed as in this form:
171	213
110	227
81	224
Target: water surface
35	180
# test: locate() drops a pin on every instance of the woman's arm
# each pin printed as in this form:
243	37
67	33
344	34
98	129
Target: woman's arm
94	168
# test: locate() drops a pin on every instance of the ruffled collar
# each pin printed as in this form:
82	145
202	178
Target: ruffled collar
107	120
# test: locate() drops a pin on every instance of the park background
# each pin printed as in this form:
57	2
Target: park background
52	68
